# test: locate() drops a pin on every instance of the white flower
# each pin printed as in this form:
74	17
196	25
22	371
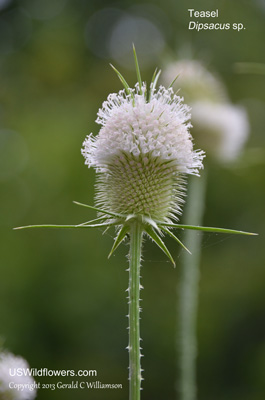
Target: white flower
15	387
196	83
221	129
142	152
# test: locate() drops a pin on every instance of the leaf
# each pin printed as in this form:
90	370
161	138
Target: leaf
206	229
65	226
108	224
121	235
175	237
123	81
154	83
93	220
174	80
157	239
155	80
154	75
138	73
150	221
99	209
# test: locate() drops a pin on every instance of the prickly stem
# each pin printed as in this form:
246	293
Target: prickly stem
135	378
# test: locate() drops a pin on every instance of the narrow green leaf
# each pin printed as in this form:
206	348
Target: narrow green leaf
46	226
174	80
99	209
105	230
206	229
152	85
93	221
150	221
175	237
155	80
121	235
138	73
154	75
122	79
108	224
157	239
65	226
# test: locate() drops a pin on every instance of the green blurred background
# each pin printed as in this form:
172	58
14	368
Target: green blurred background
62	303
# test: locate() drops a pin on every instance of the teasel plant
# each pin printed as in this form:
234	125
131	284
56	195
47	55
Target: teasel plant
142	156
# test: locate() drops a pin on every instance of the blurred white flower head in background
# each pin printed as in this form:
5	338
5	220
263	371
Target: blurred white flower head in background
11	383
195	82
219	127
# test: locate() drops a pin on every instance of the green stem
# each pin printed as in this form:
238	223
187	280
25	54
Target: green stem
134	311
188	291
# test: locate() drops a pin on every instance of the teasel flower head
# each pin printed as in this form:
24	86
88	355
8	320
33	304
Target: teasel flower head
143	153
195	81
23	387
